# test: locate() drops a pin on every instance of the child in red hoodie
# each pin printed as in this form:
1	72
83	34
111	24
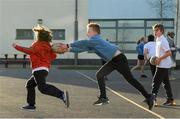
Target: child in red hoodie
41	56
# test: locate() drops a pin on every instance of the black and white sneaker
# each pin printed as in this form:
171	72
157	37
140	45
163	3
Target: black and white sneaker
66	99
151	101
28	108
155	102
101	101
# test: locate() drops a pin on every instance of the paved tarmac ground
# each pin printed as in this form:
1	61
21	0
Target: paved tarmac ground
125	101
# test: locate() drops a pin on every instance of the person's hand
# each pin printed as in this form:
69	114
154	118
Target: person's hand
158	61
60	48
14	45
64	46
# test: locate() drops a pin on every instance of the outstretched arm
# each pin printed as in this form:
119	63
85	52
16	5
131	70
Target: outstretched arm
82	45
77	47
78	50
23	49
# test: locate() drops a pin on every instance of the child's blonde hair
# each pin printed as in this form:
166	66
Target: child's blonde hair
158	27
95	27
43	33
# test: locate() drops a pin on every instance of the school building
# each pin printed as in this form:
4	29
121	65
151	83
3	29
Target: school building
123	22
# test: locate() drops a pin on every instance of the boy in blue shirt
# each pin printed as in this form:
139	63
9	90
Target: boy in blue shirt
115	59
140	60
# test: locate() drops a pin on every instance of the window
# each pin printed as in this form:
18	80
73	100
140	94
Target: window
127	39
24	34
127	47
109	34
130	35
105	23
131	23
126	32
27	34
58	34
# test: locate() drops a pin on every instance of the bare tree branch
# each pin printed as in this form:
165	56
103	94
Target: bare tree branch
168	7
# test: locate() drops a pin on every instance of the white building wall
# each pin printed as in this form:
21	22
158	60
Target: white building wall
56	14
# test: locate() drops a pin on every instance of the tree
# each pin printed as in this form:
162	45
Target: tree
163	8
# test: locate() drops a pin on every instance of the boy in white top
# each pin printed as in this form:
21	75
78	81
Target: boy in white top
163	63
149	51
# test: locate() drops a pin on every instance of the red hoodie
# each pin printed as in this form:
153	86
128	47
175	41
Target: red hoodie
41	54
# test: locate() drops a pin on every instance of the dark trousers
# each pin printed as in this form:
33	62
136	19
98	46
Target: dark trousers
153	68
120	64
160	76
39	79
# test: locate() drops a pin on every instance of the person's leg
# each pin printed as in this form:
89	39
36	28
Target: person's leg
142	63
100	74
170	74
30	86
142	69
123	68
153	69
40	78
167	85
104	62
137	66
157	80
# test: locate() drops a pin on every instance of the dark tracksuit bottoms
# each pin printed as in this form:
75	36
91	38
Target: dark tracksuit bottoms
39	79
119	63
161	75
152	67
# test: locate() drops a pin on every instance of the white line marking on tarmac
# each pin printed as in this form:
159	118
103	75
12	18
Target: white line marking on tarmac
116	93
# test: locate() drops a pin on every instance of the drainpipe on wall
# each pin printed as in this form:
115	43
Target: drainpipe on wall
76	30
177	20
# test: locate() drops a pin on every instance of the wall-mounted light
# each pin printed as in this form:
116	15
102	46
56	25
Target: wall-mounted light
40	21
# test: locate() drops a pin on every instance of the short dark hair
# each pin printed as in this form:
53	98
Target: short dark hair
171	34
158	27
95	27
150	38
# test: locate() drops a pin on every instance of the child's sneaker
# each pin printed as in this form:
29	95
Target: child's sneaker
28	107
66	99
155	102
151	101
169	102
101	101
